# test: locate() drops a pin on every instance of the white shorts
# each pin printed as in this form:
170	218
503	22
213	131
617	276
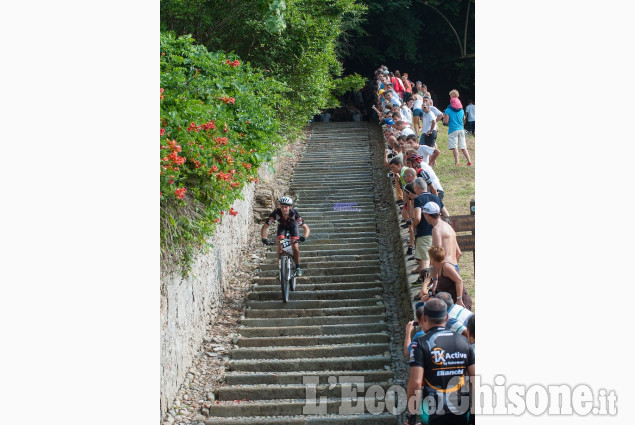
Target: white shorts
457	136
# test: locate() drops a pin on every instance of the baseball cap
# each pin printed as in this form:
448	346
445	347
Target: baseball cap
418	82
431	208
427	95
381	91
389	121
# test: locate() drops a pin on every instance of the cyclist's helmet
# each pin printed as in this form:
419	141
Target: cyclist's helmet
285	200
415	158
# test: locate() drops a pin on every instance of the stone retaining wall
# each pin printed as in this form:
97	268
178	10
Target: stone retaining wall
189	305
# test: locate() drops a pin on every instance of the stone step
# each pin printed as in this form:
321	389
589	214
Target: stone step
341	223
336	419
343	155
353	277
316	270
327	192
284	407
354	302
341	235
338	181
325	216
334	207
316	242
313	364
335	188
281	378
336	220
340	160
300	352
313	312
305	210
311	330
342	230
307	286
317	170
316	161
285	341
333	244
334	200
330	198
328	294
293	391
313	321
348	227
333	262
321	176
332	251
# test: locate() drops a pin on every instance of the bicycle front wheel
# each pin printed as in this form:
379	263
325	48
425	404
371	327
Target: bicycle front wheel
285	269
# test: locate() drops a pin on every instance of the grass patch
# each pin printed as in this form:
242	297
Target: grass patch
458	185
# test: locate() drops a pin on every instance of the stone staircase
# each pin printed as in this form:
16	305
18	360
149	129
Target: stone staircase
334	325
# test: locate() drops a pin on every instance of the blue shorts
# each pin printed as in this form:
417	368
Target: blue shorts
417	112
430	140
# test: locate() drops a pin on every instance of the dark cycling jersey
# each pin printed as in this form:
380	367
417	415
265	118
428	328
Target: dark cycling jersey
293	219
444	356
425	176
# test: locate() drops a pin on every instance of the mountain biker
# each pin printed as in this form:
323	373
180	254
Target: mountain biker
288	220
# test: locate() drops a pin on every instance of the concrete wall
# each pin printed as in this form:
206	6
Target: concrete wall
189	305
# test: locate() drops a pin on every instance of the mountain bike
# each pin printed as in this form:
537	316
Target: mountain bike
287	266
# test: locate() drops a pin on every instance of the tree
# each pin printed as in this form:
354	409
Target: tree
296	40
462	46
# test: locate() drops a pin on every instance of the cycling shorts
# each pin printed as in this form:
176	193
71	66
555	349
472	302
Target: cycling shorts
293	232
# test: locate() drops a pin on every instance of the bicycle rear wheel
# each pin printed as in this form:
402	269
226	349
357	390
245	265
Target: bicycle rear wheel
285	270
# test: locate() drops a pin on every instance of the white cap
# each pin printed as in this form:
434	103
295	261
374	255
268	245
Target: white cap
431	208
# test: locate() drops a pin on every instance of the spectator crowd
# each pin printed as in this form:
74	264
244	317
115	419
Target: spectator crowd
440	342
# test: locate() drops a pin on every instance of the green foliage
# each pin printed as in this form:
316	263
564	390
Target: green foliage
298	41
218	125
349	83
220	121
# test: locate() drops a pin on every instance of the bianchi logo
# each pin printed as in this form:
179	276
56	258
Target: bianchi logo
441	357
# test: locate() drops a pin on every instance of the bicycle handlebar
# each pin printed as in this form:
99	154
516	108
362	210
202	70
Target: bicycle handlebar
275	242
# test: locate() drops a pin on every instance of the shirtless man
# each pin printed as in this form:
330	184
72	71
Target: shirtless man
443	235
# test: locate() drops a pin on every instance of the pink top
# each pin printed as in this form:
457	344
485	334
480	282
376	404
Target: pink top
455	103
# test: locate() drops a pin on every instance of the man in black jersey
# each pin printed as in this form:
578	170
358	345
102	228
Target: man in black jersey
288	219
439	363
